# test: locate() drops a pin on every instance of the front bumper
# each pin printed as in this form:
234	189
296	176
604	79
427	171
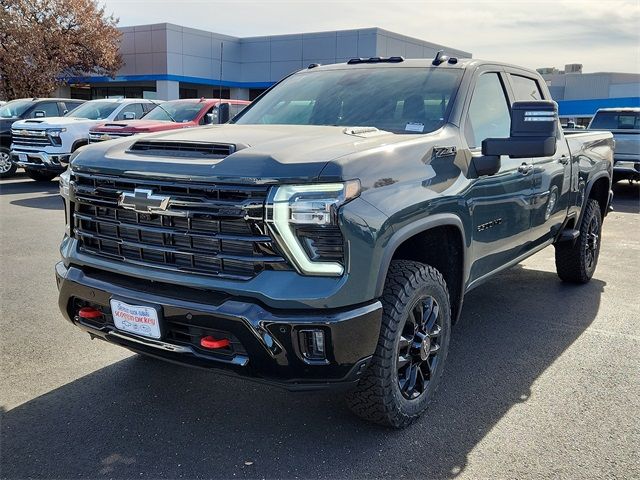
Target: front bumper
266	343
41	161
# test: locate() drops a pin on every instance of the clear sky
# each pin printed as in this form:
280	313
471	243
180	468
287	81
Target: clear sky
603	35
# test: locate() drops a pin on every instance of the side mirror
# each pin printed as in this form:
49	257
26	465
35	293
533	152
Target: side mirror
39	114
223	113
534	127
129	116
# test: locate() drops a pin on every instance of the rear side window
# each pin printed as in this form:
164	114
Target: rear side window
488	115
236	108
525	88
616	121
71	105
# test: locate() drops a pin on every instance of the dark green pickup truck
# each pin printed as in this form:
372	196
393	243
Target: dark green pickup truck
326	237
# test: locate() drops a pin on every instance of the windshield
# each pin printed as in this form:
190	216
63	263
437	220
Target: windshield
396	99
15	108
95	110
616	121
178	111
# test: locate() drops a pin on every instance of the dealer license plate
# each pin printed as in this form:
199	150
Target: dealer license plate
136	319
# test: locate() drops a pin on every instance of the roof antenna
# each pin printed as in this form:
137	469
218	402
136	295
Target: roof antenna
440	58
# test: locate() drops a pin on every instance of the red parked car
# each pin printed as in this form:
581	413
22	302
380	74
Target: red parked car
170	116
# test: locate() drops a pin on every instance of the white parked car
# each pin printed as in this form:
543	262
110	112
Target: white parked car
42	146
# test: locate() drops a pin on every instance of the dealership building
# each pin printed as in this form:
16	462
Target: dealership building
167	61
580	95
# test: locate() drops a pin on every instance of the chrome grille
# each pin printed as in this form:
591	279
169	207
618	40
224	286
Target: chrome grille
207	229
30	138
102	136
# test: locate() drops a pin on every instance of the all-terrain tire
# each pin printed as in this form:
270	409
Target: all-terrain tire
378	397
576	261
40	176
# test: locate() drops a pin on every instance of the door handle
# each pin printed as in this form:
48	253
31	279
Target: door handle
525	168
564	159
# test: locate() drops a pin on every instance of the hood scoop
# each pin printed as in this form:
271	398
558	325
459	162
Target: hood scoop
182	149
33	121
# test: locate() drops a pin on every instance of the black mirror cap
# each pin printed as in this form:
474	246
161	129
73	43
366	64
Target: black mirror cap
484	165
223	113
534	119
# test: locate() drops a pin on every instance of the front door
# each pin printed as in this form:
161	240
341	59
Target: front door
499	204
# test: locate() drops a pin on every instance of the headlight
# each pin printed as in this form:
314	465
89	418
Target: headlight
304	221
55	132
65	178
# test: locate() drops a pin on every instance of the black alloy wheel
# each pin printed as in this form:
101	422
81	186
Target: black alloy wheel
418	348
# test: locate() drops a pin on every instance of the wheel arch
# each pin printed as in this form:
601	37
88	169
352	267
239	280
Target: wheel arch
79	143
443	241
597	189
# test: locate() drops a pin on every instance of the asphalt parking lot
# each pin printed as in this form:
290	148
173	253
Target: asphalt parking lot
543	381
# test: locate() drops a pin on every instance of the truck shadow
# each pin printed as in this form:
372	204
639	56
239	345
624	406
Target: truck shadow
46	193
626	197
141	417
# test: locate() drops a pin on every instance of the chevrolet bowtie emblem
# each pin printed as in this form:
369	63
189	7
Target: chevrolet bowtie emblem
144	201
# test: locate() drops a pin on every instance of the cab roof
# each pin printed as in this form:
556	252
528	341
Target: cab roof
388	62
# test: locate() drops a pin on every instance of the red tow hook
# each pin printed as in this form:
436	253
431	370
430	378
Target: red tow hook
89	313
213	343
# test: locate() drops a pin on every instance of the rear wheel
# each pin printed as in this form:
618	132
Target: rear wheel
576	261
7	167
406	368
39	176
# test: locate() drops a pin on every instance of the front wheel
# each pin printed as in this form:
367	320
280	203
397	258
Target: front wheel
576	261
39	176
7	167
406	367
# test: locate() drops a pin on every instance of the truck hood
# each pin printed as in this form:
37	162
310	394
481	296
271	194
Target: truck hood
264	154
53	122
139	126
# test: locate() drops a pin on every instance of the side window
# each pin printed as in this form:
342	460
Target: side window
133	108
236	108
525	88
50	109
488	115
71	105
148	107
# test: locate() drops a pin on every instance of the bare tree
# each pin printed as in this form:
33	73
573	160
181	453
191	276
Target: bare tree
44	42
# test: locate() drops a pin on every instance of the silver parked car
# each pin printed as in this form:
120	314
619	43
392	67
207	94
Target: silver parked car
624	123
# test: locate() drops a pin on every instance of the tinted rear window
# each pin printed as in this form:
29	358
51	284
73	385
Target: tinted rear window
616	121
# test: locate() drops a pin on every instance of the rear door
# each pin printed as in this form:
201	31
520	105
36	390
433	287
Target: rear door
551	175
499	204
